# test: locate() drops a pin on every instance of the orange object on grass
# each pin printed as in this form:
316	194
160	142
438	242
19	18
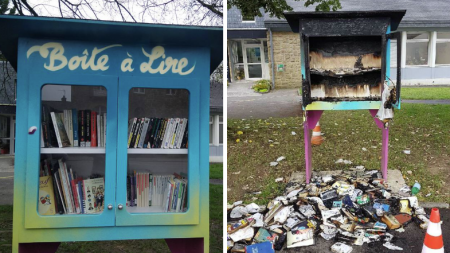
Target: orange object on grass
317	138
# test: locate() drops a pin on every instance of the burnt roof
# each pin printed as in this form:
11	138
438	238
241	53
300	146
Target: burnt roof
294	17
430	13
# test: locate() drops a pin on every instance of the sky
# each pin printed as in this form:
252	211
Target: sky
148	11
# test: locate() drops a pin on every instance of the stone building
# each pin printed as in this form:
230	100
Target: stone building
425	36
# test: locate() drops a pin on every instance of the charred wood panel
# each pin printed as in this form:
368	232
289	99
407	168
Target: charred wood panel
306	84
365	87
344	26
399	65
383	59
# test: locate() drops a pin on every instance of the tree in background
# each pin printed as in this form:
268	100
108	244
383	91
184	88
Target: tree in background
277	7
186	12
5	8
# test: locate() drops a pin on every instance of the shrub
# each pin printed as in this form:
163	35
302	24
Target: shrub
262	86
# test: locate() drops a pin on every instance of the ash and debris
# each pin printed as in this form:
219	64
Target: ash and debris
350	208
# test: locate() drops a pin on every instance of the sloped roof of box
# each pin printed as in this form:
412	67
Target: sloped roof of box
13	27
430	13
294	17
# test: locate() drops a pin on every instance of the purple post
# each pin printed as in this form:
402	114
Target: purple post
311	119
385	144
307	151
39	247
385	152
186	245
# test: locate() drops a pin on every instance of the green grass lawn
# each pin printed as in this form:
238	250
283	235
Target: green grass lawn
216	170
425	93
423	129
156	246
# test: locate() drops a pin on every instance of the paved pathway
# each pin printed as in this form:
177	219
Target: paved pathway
432	102
216	181
244	103
6	188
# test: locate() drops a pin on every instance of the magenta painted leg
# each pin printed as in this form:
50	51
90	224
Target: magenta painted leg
373	112
385	144
311	119
307	152
41	247
186	245
385	152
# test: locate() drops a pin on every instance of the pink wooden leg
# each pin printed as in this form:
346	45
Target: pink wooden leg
186	245
311	119
385	152
42	247
307	151
385	144
380	124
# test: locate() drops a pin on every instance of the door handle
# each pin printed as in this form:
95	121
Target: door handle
110	207
32	130
120	206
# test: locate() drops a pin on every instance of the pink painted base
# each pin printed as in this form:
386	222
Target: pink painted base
38	247
385	144
186	245
310	121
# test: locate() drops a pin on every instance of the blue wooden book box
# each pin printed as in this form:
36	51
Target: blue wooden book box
107	74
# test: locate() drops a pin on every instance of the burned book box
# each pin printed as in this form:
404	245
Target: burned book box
345	56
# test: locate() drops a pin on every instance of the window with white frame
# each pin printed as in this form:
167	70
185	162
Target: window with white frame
220	130
394	53
443	48
417	48
211	130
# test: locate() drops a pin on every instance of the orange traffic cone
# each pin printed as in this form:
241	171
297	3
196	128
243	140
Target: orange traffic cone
317	138
433	239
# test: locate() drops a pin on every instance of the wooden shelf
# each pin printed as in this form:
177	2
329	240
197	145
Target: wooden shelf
101	150
73	150
163	151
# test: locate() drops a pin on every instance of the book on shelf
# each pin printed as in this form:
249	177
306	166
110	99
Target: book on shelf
168	133
82	127
93	128
47	200
87	114
72	128
94	190
61	134
168	192
66	192
75	128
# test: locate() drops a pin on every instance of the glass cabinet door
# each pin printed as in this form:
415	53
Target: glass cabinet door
157	169
72	152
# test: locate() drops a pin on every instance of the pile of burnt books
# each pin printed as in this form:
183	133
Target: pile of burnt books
349	209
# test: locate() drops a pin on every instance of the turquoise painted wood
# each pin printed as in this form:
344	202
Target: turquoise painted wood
124	218
32	217
118	66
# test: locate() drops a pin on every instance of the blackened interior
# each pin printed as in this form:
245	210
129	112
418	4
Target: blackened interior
345	68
